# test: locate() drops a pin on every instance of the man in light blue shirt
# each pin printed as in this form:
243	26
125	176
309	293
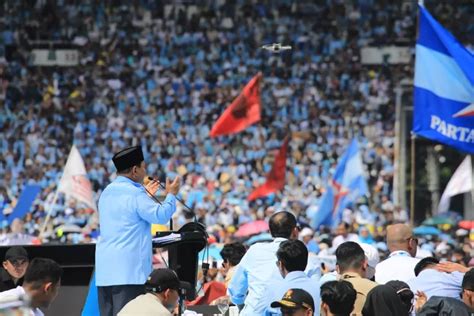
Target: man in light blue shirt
124	249
433	282
257	268
292	260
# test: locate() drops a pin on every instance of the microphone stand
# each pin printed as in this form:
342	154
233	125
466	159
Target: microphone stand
177	198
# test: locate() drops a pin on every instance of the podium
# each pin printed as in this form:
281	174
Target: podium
183	253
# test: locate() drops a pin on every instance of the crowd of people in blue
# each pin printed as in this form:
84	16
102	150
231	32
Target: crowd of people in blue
158	74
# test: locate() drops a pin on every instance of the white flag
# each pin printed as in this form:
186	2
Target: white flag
460	182
74	182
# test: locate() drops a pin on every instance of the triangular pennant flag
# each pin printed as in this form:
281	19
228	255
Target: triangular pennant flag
74	182
460	182
276	177
243	111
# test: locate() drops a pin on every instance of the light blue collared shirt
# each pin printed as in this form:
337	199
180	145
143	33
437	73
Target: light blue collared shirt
256	269
293	280
436	283
124	249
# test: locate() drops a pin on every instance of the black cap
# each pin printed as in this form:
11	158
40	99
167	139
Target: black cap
128	158
162	279
16	252
423	263
295	299
468	280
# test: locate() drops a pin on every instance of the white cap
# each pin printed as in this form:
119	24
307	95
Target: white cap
371	253
306	232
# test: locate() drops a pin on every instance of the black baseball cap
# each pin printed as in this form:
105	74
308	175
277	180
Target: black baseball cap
128	158
162	279
423	263
16	252
468	280
295	299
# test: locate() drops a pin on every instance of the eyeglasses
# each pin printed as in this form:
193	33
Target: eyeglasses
412	238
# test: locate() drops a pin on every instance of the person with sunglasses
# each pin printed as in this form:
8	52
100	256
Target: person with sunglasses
13	268
400	264
295	302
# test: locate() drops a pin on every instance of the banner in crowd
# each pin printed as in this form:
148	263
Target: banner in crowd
444	87
55	57
25	201
276	177
460	182
348	184
74	182
243	111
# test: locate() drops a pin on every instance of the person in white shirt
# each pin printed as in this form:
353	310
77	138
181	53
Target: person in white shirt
40	286
343	235
400	264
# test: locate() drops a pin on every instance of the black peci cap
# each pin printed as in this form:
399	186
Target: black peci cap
128	158
423	263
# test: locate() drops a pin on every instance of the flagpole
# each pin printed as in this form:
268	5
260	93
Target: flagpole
470	213
412	145
412	180
48	215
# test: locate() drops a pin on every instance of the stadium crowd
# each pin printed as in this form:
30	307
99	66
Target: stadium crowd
159	75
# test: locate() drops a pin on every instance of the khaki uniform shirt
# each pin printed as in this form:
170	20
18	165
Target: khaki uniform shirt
144	305
362	287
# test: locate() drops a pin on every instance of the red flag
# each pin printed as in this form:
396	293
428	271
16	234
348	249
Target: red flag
276	176
243	111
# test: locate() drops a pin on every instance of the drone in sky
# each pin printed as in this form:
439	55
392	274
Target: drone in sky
276	47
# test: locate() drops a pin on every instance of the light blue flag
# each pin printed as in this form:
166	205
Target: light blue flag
444	87
326	205
347	186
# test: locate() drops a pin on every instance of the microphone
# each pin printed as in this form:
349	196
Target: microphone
177	198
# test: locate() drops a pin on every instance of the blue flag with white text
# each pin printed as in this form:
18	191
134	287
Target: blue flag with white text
348	184
444	87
